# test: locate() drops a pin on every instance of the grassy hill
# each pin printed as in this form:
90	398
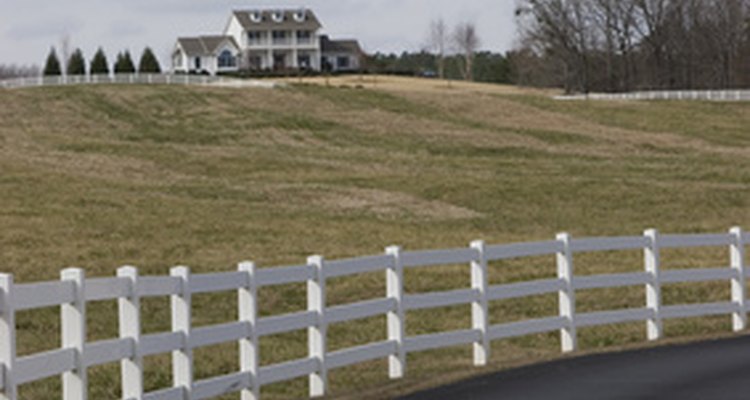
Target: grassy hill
100	177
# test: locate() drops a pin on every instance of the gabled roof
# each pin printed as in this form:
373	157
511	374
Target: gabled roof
339	46
264	19
204	45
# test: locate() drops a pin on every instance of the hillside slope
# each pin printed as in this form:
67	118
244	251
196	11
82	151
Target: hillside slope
100	177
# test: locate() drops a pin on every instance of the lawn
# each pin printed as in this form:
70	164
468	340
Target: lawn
157	176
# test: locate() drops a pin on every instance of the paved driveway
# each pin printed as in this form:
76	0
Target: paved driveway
716	370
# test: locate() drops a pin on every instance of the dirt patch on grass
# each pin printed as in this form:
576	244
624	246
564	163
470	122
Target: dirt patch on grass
375	202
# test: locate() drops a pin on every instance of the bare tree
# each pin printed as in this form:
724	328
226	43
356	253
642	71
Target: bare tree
18	71
615	21
561	31
438	42
467	42
616	45
65	52
726	31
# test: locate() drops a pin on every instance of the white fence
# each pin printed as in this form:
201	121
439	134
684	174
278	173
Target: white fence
141	79
701	95
73	291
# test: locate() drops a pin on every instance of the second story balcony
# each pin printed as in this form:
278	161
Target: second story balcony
281	38
305	38
257	39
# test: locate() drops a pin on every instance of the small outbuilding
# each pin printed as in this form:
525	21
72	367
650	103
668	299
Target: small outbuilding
206	54
340	55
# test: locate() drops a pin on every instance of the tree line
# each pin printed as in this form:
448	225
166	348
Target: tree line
448	53
624	45
18	71
76	63
486	66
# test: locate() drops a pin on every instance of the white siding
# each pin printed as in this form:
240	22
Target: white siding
235	30
179	60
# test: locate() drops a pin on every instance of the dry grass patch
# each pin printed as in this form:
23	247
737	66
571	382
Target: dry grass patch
100	177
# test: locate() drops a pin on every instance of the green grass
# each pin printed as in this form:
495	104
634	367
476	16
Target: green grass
100	177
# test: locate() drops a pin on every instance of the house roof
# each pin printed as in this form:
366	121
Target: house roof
339	46
204	45
264	19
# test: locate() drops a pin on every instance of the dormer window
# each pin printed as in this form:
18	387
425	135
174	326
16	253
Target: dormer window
277	16
299	15
255	16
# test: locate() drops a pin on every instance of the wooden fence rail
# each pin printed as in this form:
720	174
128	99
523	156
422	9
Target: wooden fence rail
74	291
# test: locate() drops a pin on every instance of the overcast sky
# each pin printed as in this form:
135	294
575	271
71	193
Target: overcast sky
29	27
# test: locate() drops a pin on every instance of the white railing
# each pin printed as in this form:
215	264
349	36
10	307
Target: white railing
699	95
139	79
74	290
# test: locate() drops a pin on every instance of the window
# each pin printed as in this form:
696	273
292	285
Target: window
279	61
279	37
255	37
227	59
304	36
197	63
303	61
342	62
255	62
325	64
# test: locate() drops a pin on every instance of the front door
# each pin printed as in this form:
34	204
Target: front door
279	61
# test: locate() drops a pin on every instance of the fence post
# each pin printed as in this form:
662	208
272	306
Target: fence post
316	335
248	312
8	337
653	287
182	359
737	258
129	310
479	315
567	296
396	322
73	324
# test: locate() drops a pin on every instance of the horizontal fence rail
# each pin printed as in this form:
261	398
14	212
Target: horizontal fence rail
134	79
75	355
694	95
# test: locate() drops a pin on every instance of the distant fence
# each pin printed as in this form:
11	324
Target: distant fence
141	79
696	95
74	291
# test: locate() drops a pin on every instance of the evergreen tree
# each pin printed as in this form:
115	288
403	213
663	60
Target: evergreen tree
124	63
76	63
149	64
99	65
52	67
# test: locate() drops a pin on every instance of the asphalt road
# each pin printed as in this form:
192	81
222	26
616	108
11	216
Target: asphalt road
716	370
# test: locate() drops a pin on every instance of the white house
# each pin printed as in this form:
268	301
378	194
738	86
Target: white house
209	54
267	39
277	39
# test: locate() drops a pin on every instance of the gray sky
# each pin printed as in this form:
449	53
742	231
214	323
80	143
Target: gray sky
29	27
